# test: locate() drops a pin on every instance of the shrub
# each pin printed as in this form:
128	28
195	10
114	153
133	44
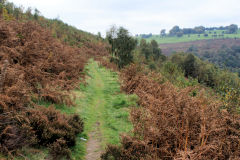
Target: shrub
15	134
59	149
50	125
40	126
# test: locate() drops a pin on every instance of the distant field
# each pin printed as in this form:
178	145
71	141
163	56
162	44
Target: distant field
201	46
192	37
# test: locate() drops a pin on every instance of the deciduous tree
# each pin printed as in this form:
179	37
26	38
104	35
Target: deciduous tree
122	44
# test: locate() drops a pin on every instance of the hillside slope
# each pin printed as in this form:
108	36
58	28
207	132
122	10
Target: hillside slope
37	68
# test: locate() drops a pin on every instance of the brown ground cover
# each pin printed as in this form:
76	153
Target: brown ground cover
172	124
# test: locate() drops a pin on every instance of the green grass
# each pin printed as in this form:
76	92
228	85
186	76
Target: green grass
193	37
101	101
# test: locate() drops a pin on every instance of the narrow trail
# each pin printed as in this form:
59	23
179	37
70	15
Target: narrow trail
104	110
94	144
96	87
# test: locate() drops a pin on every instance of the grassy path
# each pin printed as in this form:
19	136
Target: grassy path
104	110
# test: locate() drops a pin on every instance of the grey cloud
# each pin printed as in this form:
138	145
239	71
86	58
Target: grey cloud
139	16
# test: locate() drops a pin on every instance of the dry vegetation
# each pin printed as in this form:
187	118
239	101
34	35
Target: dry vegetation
172	124
36	67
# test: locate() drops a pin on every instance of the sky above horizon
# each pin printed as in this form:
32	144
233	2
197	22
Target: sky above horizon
138	16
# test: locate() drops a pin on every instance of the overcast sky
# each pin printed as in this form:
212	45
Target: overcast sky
138	16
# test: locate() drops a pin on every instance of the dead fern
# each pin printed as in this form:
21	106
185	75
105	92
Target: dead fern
174	125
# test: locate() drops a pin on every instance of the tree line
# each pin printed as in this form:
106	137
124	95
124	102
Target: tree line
179	32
